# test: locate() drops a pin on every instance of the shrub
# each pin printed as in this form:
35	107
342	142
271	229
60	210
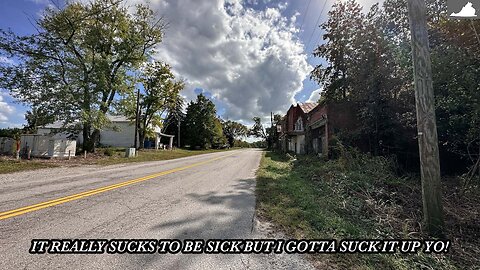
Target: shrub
108	152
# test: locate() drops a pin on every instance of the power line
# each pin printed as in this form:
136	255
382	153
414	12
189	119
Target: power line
305	14
301	26
319	36
316	25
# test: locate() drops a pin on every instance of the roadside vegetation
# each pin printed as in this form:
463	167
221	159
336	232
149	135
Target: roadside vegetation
361	197
117	155
103	157
11	166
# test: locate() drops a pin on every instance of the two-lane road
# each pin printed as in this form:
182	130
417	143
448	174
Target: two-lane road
202	197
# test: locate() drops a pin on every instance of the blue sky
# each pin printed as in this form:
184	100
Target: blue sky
277	77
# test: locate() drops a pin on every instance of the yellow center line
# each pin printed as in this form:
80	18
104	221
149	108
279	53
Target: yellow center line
38	206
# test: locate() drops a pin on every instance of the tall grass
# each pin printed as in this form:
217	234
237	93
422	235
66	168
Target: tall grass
354	196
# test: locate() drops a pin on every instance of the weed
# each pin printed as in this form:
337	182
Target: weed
353	196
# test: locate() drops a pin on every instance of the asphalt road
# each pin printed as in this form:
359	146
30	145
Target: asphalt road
202	197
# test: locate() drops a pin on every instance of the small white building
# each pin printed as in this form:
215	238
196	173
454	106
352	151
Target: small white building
119	133
48	146
7	145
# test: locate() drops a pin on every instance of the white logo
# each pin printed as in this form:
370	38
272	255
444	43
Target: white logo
468	11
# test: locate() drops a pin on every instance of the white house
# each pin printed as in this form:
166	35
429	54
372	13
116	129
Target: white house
119	133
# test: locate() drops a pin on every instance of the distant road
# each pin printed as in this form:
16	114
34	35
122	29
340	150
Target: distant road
208	196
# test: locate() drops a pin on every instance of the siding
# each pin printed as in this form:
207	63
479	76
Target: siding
122	136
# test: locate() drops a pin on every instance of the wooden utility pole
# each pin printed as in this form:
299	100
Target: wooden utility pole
271	130
426	125
178	138
137	120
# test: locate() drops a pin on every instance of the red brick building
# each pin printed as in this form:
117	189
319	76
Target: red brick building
308	128
292	132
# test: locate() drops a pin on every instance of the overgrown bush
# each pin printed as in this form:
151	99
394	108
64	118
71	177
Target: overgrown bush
358	196
108	152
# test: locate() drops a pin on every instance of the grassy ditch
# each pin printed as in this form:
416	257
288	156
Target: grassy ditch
103	157
117	155
360	197
11	166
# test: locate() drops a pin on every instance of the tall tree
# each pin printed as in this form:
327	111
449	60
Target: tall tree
160	96
80	60
37	117
234	131
257	129
219	139
268	134
344	24
199	127
361	69
175	118
454	46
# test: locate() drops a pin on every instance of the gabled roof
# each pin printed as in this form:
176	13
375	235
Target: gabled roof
307	107
118	118
112	118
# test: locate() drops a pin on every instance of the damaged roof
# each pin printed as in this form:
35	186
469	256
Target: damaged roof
307	107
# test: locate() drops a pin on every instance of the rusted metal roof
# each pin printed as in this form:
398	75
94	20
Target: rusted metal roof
307	107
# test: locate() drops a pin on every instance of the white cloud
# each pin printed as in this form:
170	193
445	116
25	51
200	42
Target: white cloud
251	61
315	96
6	60
467	11
42	2
6	110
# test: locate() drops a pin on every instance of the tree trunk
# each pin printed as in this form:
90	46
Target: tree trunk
88	144
141	138
90	139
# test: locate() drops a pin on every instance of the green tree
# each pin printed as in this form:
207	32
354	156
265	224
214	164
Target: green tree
174	120
80	60
257	130
218	139
11	133
37	117
344	24
198	128
362	69
159	98
234	131
455	68
268	135
368	63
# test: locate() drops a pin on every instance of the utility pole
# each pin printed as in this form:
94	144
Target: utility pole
137	120
178	138
426	121
271	130
271	119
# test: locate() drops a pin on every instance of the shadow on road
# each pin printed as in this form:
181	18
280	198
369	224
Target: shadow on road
225	215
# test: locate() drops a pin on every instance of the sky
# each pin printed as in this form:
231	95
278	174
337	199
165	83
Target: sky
250	57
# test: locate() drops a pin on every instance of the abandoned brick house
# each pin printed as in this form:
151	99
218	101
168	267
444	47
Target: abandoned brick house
307	128
292	136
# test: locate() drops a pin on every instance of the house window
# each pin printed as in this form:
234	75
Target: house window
299	124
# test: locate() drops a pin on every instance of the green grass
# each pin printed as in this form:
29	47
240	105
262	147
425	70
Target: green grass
357	197
104	157
10	166
117	155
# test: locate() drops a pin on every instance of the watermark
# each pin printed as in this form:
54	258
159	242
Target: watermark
463	9
235	246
